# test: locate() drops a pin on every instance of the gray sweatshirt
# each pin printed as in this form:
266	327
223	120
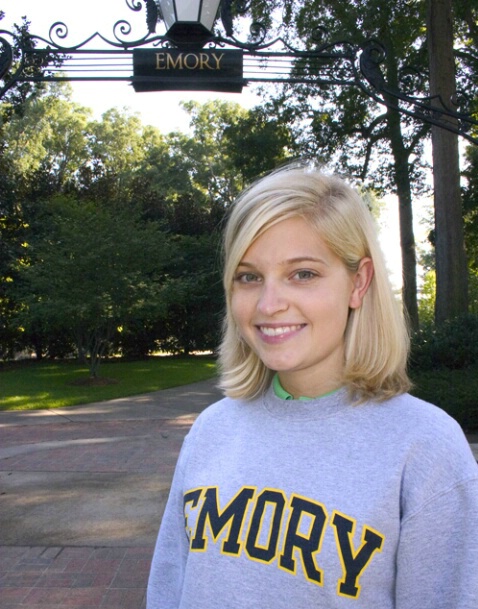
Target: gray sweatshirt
321	504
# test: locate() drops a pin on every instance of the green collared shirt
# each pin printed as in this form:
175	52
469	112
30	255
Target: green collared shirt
280	392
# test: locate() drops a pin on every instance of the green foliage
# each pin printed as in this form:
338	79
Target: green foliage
454	391
470	206
426	303
257	143
194	297
212	168
444	363
116	142
452	345
89	269
50	135
341	125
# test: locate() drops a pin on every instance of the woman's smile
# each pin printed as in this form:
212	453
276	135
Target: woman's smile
279	333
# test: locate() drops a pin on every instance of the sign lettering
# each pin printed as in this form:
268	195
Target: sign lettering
177	70
189	61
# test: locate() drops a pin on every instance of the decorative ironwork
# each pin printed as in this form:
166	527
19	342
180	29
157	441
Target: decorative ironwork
99	58
430	109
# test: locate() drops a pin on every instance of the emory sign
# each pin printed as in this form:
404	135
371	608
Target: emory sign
188	70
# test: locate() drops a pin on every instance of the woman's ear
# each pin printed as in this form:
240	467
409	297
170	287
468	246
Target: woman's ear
361	281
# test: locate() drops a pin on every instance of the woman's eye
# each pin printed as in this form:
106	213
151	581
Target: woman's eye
246	278
304	275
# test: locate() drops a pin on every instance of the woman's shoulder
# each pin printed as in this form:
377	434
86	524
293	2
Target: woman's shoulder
423	417
415	418
432	437
437	460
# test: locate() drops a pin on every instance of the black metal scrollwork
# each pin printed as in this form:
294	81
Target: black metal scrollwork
6	56
268	60
134	5
452	115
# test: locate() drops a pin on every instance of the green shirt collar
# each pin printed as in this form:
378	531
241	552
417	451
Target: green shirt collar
280	392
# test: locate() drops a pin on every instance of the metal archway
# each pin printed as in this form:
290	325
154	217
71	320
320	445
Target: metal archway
266	60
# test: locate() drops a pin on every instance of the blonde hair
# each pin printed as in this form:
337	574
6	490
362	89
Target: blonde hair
376	337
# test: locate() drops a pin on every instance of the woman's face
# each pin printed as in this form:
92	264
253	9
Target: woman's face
290	300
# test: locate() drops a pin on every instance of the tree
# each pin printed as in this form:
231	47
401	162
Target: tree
257	143
49	138
210	156
231	146
90	271
35	67
12	223
470	206
194	295
451	265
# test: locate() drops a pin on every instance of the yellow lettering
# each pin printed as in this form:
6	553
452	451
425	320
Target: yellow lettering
189	61
175	64
204	62
191	499
160	57
191	57
270	528
218	60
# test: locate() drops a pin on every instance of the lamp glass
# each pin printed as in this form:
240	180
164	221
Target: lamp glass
169	12
209	12
189	11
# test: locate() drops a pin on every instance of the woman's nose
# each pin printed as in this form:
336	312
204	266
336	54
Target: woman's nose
272	299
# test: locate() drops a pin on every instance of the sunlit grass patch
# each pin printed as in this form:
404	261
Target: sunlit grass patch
34	385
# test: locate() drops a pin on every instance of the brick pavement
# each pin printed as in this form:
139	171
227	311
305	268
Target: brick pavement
82	492
73	577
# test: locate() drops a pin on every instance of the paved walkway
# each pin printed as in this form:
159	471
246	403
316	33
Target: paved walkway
82	492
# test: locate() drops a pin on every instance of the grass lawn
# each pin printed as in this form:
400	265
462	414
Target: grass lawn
31	385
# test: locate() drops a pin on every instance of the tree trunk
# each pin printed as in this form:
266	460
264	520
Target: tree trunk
407	237
409	257
401	156
451	265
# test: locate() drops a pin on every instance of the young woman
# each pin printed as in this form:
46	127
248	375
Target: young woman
318	482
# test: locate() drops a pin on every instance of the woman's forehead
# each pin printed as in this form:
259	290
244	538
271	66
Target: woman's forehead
289	240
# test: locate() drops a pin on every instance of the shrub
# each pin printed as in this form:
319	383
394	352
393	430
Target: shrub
452	345
454	391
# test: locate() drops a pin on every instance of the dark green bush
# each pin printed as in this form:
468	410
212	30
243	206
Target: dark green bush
452	345
455	391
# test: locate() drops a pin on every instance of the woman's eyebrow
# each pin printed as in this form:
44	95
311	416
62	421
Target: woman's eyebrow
288	261
298	259
245	263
